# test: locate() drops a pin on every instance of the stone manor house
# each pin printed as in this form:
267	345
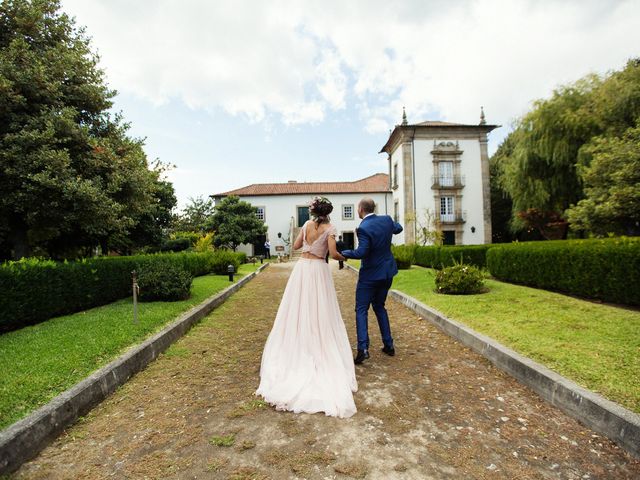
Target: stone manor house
437	170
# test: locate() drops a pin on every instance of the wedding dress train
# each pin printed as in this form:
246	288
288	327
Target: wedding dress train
307	363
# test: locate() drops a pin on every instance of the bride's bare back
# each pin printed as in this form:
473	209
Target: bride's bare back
316	240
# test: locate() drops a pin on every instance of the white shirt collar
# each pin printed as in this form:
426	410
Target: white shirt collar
368	215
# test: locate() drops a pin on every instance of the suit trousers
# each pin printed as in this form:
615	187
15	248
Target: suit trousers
374	293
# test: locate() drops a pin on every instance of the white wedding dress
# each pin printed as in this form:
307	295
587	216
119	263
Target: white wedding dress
307	363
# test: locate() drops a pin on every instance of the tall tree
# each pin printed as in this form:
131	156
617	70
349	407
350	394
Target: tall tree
197	216
71	177
612	187
551	144
540	172
235	222
501	204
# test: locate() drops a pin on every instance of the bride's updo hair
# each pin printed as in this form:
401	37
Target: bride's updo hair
319	209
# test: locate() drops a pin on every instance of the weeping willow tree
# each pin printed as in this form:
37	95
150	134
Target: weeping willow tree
540	168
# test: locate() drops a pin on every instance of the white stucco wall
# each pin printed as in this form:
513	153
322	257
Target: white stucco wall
398	194
472	200
280	208
470	169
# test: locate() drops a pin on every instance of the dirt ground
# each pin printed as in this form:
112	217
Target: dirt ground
435	410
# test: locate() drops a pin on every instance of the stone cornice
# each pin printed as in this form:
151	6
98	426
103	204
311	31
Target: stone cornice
406	133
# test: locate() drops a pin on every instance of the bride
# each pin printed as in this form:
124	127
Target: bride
307	364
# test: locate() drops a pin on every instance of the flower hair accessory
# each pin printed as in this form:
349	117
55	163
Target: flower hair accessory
320	208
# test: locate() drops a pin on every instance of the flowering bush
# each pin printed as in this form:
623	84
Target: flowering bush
459	279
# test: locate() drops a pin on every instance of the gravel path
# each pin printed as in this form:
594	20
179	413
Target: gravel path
435	410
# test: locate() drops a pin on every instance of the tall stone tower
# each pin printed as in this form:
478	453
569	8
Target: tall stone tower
441	169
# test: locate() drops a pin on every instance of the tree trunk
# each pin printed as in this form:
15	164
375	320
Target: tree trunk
19	242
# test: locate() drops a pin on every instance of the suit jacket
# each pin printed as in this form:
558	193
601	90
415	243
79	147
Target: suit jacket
374	248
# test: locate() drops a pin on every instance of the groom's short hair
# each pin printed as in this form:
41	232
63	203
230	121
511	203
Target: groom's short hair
368	205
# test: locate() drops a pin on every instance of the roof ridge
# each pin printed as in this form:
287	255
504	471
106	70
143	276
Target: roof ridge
366	184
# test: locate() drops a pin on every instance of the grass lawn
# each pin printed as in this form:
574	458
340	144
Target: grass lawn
595	345
43	360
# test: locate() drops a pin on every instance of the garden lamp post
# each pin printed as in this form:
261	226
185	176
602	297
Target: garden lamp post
136	291
231	270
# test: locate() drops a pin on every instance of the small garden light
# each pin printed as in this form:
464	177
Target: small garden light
136	292
231	270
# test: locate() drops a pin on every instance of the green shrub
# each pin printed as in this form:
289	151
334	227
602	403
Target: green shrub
34	290
204	244
242	257
404	255
439	256
224	258
605	269
427	256
468	254
165	281
193	237
459	279
175	245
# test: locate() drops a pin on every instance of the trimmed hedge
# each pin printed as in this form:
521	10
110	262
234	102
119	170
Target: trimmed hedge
475	255
404	255
605	269
164	281
33	290
439	257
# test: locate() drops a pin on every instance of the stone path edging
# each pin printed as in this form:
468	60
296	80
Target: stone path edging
27	437
596	412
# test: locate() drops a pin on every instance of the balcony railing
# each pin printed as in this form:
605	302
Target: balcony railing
457	217
447	181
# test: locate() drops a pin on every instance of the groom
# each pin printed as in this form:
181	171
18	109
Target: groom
377	269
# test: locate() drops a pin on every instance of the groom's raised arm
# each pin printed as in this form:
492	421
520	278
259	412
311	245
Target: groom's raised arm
362	251
397	228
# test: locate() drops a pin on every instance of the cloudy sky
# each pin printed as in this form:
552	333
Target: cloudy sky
248	91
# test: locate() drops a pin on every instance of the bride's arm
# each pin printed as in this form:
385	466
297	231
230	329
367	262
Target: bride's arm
333	251
298	243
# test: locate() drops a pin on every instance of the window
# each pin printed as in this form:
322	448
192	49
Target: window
447	209
395	175
446	174
347	212
260	213
396	211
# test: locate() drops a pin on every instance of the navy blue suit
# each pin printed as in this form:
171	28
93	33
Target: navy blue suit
377	269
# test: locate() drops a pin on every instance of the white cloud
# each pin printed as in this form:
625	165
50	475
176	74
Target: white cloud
297	61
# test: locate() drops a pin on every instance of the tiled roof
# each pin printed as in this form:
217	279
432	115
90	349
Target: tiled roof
373	184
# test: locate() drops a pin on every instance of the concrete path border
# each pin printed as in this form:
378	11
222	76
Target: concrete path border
27	437
596	412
